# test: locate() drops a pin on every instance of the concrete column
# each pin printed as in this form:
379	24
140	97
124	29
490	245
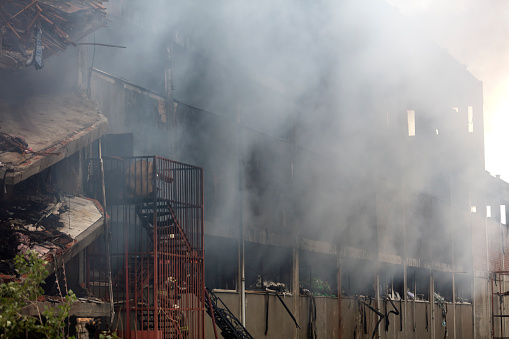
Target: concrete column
453	302
450	224
414	320
404	313
432	304
377	295
296	289
340	313
83	71
472	284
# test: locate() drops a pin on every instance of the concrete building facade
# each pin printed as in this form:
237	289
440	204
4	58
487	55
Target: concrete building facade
343	164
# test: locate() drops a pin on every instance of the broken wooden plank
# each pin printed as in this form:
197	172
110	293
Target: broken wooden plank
15	15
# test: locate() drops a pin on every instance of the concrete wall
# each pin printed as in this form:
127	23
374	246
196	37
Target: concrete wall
132	109
209	140
414	324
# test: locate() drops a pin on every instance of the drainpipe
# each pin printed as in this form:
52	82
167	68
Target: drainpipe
107	236
242	275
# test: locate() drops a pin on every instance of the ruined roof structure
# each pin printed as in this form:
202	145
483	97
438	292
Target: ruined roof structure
31	31
52	128
52	226
35	134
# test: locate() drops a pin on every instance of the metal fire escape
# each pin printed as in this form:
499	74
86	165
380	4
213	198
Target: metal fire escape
156	211
231	327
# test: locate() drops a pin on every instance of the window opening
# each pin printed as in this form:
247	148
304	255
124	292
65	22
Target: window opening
268	267
418	284
463	288
392	282
443	286
319	279
357	278
470	119
411	122
221	264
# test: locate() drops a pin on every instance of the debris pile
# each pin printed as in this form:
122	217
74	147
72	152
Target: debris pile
31	223
10	143
32	30
269	286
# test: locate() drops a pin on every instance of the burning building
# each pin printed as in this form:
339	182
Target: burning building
344	163
344	190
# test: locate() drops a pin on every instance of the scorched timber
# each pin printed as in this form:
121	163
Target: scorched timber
30	31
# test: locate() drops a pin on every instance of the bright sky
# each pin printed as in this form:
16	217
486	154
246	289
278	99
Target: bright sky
476	33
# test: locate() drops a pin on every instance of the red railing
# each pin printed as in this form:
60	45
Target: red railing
155	207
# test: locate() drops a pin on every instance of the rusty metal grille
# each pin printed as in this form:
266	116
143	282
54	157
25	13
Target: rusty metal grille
155	207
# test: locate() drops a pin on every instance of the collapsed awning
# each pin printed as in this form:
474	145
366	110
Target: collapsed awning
44	130
57	228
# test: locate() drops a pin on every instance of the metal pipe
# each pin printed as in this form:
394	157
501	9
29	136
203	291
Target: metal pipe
98	44
288	310
107	236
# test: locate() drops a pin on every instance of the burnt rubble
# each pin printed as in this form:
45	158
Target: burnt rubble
33	30
31	223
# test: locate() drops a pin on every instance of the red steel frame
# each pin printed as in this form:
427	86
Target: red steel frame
155	207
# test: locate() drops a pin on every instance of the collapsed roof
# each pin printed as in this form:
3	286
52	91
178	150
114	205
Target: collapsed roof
56	227
33	30
43	130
